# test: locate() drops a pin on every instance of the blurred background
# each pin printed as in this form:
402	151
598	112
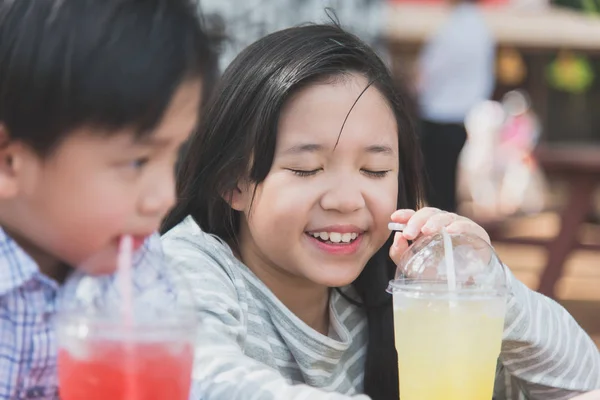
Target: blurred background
508	96
530	168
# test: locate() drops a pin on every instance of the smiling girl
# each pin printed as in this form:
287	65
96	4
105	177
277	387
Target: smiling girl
285	195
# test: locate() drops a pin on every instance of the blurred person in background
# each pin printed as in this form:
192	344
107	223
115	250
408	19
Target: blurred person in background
498	175
455	73
523	185
244	22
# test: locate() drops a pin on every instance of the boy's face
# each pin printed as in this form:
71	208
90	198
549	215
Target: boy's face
94	188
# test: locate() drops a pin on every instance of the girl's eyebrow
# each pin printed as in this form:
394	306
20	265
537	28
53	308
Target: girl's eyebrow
304	148
315	148
380	149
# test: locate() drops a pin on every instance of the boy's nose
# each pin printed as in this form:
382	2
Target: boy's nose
159	200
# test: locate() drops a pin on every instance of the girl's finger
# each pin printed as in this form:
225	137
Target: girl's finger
402	216
418	220
437	222
464	225
398	248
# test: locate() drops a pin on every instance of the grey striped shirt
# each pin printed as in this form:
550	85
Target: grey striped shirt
250	346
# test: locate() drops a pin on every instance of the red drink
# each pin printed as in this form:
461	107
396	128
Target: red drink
117	370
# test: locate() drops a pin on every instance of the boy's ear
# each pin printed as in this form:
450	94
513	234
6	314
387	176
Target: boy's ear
240	197
11	161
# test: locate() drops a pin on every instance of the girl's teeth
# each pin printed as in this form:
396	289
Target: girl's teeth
335	237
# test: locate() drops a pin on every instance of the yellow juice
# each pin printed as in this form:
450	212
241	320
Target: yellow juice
447	350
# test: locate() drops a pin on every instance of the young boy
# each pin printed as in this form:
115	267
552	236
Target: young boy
96	97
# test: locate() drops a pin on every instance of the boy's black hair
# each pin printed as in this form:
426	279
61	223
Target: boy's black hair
107	64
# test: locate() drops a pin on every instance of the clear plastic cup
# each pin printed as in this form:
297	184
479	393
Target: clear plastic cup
100	359
102	354
448	329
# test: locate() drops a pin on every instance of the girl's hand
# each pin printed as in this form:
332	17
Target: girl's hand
428	221
595	395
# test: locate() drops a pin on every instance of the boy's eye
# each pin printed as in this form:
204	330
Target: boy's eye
300	172
375	174
139	162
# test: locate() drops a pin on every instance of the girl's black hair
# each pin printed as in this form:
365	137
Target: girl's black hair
236	140
109	64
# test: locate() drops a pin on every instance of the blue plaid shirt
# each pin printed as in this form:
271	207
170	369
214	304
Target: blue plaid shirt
27	343
29	300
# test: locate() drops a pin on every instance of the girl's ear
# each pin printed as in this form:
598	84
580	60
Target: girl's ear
240	197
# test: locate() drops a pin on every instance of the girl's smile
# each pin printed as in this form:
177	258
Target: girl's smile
337	239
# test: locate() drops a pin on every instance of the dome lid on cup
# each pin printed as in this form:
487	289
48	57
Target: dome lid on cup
476	265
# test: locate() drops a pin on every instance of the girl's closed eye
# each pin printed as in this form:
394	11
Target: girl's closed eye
303	172
312	172
376	174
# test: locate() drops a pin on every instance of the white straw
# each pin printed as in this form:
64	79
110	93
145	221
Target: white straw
394	226
124	276
449	256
